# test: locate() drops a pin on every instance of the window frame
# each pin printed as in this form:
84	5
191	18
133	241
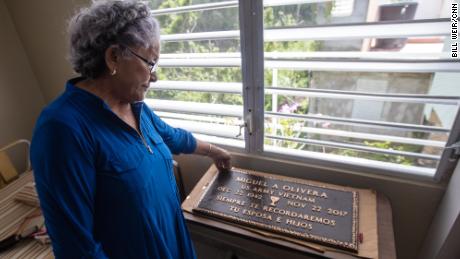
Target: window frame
255	8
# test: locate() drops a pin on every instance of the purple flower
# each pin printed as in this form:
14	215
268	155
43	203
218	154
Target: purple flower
286	108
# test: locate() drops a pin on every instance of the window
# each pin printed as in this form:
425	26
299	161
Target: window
347	83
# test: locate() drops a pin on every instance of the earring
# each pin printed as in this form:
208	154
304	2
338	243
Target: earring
113	72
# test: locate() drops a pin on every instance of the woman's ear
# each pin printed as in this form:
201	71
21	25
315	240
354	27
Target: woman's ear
112	56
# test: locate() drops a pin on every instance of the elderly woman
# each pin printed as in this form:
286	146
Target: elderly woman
102	159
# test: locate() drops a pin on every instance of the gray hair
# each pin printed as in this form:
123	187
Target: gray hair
92	30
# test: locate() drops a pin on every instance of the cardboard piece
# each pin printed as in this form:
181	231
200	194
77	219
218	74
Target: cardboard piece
7	170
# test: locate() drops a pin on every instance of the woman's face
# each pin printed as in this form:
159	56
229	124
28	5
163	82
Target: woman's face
133	73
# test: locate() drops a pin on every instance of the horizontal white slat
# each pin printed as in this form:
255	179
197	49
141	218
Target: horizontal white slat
360	122
367	66
219	130
194	107
201	86
337	94
381	30
356	147
324	65
366	136
363	30
200	55
365	55
292	2
219	140
227	4
195	62
370	55
196	7
201	118
212	35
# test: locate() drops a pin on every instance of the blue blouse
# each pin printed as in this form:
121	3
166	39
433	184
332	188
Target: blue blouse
105	191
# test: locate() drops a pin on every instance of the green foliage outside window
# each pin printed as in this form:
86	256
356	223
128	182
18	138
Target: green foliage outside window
383	157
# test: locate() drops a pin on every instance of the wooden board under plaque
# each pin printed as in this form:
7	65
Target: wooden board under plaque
313	212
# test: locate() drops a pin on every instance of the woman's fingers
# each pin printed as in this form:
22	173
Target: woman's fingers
222	159
223	164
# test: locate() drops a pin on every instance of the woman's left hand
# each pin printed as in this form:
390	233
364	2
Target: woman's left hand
220	156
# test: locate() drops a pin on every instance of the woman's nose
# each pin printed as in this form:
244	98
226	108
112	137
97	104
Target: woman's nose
153	77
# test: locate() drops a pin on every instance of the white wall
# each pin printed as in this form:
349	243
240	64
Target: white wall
442	239
41	25
428	9
20	97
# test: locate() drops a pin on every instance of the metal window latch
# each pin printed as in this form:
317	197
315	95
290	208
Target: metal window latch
456	150
247	124
241	127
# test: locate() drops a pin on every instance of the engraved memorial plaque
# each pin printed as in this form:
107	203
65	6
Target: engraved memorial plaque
323	214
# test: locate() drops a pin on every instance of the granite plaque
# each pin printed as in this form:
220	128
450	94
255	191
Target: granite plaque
295	208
